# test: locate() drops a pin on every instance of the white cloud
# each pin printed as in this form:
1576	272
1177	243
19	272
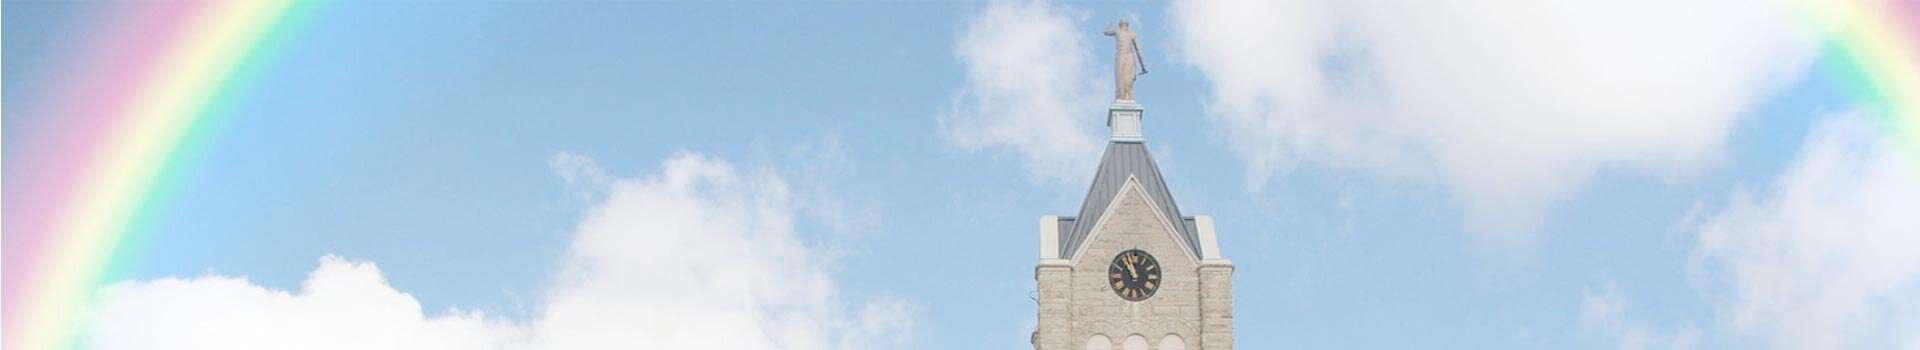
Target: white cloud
1829	256
823	164
699	256
1511	104
1030	90
1606	311
582	175
342	305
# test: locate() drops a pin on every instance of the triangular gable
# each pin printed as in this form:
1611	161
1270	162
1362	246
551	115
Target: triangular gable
1132	185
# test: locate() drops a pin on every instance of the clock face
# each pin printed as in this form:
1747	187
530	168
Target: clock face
1134	275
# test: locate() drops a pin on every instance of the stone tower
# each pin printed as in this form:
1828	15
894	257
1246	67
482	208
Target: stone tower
1129	272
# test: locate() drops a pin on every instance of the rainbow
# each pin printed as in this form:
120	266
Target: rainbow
129	98
1875	46
110	116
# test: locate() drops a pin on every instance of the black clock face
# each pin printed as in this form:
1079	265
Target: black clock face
1134	275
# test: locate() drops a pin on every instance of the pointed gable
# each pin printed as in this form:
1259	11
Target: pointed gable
1124	160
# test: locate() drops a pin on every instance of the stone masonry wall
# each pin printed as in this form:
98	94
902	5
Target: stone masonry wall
1052	330
1173	309
1216	307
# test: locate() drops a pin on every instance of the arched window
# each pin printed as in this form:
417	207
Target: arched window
1173	342
1135	342
1099	342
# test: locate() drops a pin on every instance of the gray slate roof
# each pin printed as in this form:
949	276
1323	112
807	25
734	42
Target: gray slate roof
1123	159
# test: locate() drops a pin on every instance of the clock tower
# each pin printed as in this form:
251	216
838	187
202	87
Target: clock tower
1130	271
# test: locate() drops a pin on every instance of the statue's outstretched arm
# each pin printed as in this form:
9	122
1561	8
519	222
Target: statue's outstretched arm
1109	31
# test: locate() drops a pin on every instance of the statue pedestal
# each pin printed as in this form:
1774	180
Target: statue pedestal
1123	116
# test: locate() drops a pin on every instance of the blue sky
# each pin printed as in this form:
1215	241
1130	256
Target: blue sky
433	140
